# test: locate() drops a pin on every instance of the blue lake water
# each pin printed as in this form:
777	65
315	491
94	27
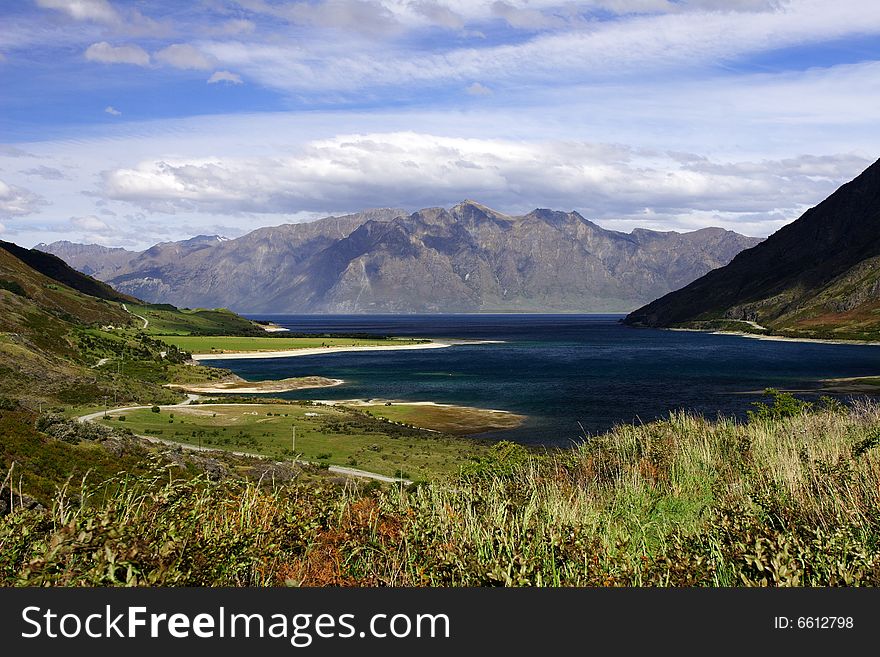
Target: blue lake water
567	373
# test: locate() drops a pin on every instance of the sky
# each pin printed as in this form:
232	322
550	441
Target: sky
127	123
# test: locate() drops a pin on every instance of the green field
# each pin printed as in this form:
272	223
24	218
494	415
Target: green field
332	435
202	344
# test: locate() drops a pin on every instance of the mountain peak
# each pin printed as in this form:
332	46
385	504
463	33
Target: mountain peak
468	258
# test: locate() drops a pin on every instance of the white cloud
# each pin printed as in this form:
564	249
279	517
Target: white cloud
7	150
83	10
47	173
230	27
17	201
90	224
477	89
415	170
366	17
635	45
2	229
129	54
224	76
183	56
112	111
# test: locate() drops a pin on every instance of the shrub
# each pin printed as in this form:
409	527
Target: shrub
784	405
14	287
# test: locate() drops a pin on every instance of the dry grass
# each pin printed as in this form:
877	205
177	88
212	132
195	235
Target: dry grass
682	502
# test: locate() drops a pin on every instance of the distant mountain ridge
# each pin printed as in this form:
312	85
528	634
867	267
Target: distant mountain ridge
817	276
468	258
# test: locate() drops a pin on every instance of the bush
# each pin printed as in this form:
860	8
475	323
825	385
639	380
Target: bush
14	287
155	409
72	431
784	405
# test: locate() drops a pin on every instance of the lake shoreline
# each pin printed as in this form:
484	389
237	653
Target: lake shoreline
242	386
779	338
317	351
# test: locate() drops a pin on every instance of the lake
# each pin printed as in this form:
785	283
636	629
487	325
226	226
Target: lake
569	374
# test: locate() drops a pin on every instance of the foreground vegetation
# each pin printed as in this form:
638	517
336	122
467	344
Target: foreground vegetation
789	498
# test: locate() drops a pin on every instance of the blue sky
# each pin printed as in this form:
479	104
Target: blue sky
126	122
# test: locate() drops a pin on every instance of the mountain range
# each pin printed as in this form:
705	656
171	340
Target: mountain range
468	258
818	276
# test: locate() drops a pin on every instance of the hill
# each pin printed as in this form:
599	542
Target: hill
468	258
58	270
61	344
819	276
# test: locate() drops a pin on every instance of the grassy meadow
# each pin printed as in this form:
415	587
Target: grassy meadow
202	344
790	498
333	435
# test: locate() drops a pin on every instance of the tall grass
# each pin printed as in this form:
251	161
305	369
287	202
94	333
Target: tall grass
680	502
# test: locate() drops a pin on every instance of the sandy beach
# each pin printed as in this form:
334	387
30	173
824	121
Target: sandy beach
289	353
250	387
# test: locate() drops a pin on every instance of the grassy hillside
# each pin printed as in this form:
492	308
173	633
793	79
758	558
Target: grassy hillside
61	346
55	268
168	320
791	498
44	329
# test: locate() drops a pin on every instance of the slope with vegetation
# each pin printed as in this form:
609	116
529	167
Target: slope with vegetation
68	339
788	499
817	277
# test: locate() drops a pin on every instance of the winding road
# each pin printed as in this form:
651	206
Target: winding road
145	320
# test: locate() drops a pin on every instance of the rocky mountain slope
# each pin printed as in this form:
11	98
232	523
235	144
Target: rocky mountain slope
92	259
818	276
468	258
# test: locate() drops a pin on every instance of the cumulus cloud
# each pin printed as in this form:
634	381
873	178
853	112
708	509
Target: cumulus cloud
47	173
415	170
477	89
231	27
112	111
17	201
224	76
107	54
183	56
83	10
90	224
